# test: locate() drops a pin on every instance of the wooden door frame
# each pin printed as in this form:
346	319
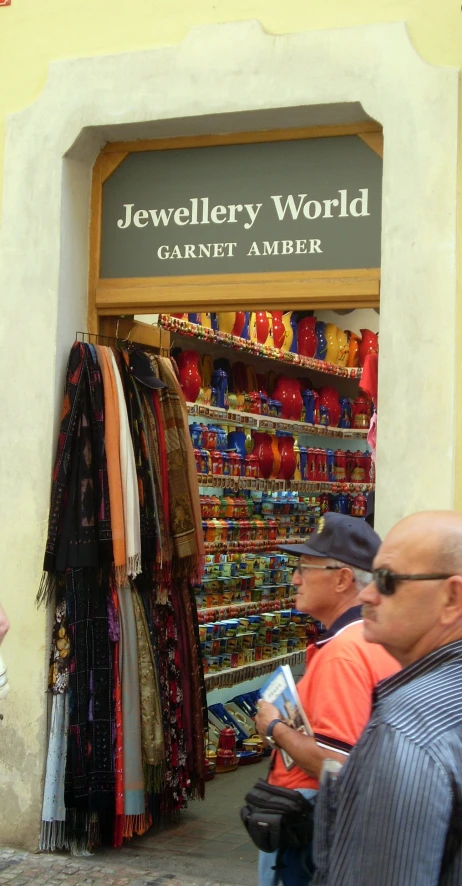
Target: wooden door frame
303	290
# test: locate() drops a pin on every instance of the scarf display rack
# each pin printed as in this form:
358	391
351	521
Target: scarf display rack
123	548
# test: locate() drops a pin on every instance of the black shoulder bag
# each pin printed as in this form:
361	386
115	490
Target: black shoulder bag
277	818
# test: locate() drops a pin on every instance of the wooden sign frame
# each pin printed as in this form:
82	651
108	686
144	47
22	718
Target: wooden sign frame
303	290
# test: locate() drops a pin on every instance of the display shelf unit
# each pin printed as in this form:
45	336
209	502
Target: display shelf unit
233	610
231	676
268	423
213	336
221	481
242	547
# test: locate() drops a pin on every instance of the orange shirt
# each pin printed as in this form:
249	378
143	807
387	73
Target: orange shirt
336	695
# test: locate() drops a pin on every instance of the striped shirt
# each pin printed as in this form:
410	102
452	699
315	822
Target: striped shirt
393	817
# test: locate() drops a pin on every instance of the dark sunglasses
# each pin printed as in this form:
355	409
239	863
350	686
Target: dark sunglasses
385	580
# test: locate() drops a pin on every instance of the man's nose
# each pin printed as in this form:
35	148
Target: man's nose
296	578
369	594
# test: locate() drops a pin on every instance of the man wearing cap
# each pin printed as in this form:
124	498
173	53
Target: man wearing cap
341	671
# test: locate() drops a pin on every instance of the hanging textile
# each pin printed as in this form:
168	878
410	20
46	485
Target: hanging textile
124	545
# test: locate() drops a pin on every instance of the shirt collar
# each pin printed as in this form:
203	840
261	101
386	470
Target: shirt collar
430	662
347	618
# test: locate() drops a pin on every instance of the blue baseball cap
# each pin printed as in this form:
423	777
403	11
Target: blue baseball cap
348	539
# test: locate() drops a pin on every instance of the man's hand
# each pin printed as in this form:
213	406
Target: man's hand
266	713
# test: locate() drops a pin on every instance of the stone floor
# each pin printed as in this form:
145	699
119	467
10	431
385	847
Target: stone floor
207	847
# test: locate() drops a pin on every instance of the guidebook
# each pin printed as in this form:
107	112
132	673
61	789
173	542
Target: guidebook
281	691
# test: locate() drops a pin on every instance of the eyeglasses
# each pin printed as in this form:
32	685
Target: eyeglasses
301	566
386	580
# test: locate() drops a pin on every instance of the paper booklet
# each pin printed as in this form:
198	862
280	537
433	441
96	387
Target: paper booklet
281	691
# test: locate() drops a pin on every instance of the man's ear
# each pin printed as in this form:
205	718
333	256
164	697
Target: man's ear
451	609
344	576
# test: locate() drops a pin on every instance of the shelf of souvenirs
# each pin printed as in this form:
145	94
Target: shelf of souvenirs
222	481
231	676
204	333
252	545
270	423
239	610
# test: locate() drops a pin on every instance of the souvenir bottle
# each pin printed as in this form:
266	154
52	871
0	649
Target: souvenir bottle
308	401
324	415
189	374
359	505
294	325
361	413
340	467
287	391
345	416
311	463
353	349
350	464
332	342
289	332
369	344
195	318
236	440
307	339
328	396
322	341
342	503
245	328
196	434
358	474
330	465
288	456
259	327
239	323
304	462
226	321
298	467
324	502
343	347
264	453
279	331
220	382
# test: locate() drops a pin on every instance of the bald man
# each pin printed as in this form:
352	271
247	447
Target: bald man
393	815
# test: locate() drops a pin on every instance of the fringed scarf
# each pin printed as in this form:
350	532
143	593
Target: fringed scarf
130	496
112	445
79	527
90	777
164	552
152	734
149	519
166	368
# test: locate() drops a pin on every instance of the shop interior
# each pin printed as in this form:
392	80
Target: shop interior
280	414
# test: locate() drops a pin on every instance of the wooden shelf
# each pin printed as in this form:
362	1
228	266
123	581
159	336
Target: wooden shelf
220	481
203	333
237	547
268	423
217	613
231	676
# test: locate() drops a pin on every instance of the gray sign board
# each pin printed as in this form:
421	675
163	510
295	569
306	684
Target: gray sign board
303	205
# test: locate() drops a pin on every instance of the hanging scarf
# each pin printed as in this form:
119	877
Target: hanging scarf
152	735
112	445
166	367
164	542
130	497
90	775
52	834
78	526
132	762
149	518
113	605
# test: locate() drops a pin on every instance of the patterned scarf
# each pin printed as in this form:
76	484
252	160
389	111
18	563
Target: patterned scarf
79	533
181	517
112	445
90	777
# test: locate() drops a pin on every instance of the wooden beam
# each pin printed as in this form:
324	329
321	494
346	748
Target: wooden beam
302	290
111	162
95	244
374	140
243	138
